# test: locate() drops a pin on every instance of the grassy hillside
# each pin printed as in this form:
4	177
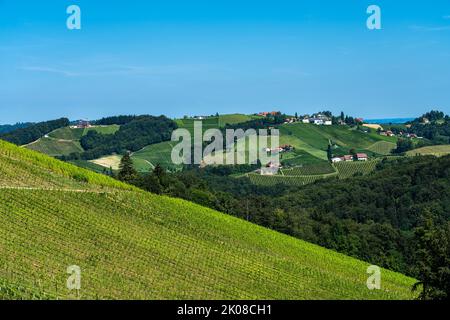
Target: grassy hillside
439	150
68	133
130	244
318	138
160	153
64	141
54	147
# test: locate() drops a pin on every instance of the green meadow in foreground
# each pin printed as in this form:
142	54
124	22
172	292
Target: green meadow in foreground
134	245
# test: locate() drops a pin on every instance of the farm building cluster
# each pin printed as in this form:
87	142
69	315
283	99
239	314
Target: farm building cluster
282	148
389	133
317	118
348	157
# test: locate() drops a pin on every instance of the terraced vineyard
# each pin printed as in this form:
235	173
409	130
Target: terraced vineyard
349	169
298	180
308	170
300	176
134	245
382	147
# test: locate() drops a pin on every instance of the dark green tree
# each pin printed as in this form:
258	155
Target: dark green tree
329	152
433	253
127	173
404	145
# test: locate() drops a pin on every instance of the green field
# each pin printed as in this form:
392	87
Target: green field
68	133
299	157
131	244
234	119
439	150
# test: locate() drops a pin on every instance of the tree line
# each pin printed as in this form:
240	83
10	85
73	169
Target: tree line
34	132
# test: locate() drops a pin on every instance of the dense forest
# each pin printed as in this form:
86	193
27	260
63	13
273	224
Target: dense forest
32	133
377	218
135	134
119	120
262	123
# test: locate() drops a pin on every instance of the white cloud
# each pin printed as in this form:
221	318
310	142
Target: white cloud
49	70
117	70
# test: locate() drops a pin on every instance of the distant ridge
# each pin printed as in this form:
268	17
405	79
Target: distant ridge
389	120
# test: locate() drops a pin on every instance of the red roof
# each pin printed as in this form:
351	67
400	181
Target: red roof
361	155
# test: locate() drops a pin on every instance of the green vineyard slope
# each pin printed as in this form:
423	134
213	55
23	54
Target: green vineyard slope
130	244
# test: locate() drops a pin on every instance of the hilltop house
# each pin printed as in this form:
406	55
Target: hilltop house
200	117
320	119
272	113
362	157
387	133
317	121
82	124
347	157
291	120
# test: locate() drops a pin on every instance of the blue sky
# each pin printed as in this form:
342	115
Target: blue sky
178	57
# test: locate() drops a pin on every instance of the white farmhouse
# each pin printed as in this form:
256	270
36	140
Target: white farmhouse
318	122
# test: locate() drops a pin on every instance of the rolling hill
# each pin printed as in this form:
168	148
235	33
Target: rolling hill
131	244
66	140
310	142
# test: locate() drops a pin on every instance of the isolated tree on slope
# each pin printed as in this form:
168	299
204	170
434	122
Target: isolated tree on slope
329	151
127	173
